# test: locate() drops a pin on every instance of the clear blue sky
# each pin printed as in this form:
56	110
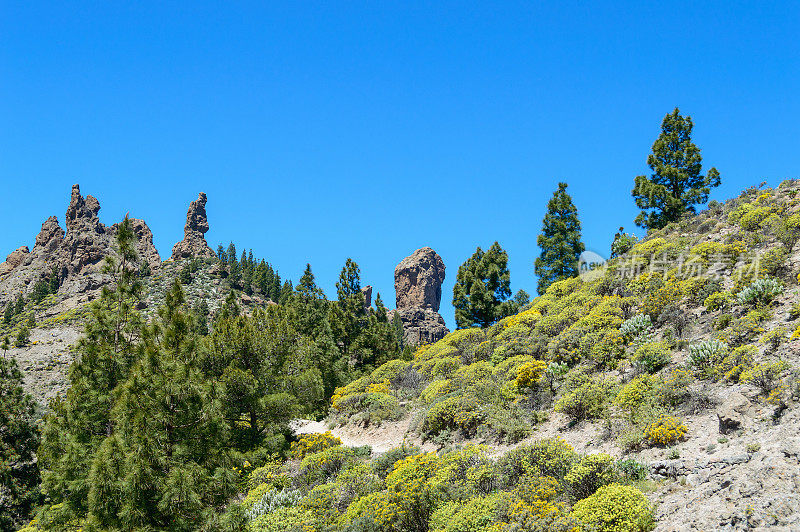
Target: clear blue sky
322	131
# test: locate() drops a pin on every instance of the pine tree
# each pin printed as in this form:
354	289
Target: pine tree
78	425
234	267
222	256
19	438
676	185
165	463
482	284
560	241
348	313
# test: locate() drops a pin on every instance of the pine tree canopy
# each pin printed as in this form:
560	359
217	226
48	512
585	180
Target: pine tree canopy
560	241
483	283
676	184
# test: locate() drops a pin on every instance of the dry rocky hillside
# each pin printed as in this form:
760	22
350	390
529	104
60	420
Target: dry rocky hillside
682	355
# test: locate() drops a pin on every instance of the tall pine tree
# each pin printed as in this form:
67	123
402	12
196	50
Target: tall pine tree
560	241
483	283
676	184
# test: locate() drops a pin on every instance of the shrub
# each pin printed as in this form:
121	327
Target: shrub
552	457
284	519
270	501
760	292
665	431
717	301
615	508
704	356
652	356
592	472
383	463
636	326
319	467
630	469
587	401
775	337
270	474
530	373
313	443
639	392
463	412
743	330
765	375
737	362
773	262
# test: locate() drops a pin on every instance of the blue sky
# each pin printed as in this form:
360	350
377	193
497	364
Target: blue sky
322	131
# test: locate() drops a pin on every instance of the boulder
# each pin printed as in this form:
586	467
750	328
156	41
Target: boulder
49	237
14	259
194	243
421	325
731	412
418	280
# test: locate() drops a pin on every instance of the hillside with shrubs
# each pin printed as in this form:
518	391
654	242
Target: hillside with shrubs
673	371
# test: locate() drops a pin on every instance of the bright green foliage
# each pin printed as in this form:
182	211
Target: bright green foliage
482	285
560	241
615	508
765	375
676	184
717	301
623	242
543	458
590	473
19	438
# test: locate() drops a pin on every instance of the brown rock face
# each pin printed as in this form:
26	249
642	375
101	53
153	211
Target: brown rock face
76	254
49	237
194	243
418	280
421	325
14	259
418	291
367	291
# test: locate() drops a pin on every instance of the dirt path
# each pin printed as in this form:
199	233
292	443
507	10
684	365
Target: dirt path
389	435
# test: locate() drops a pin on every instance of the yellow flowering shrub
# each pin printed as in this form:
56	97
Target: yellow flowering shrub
313	443
590	473
615	508
666	430
587	401
530	373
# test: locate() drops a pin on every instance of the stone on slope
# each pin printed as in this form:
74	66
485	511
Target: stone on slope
194	243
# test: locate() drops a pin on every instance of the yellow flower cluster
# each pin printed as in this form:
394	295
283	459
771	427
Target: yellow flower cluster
313	443
665	430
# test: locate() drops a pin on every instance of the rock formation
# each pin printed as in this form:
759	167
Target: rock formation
76	254
418	280
418	291
194	243
14	259
367	292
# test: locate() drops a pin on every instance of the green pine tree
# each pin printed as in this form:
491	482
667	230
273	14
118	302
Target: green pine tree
676	184
560	241
482	285
19	438
80	422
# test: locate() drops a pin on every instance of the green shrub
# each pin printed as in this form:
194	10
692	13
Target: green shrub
765	375
615	508
270	501
630	469
462	412
587	401
737	362
592	472
717	301
313	443
552	457
319	467
652	356
760	292
666	430
773	262
383	463
639	392
775	337
270	474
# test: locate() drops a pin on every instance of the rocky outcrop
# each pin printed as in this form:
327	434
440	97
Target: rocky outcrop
49	237
418	280
421	325
418	292
14	259
76	254
367	292
731	413
194	243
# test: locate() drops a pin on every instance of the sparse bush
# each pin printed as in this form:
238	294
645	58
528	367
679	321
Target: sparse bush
753	447
760	292
630	469
615	508
775	337
589	474
587	401
765	375
665	431
652	356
